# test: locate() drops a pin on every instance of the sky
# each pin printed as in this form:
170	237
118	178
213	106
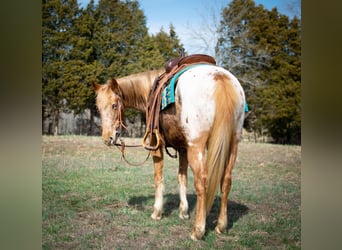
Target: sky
192	19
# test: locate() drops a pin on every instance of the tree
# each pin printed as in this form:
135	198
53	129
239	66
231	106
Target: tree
203	35
168	43
119	27
58	17
82	69
262	48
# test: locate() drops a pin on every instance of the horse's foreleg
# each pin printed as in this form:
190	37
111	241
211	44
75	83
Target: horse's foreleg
158	183
196	162
226	183
183	183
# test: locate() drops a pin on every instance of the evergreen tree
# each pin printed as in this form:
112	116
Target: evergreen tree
118	29
81	69
168	43
148	56
142	55
58	18
262	48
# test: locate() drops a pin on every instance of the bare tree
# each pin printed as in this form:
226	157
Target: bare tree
204	35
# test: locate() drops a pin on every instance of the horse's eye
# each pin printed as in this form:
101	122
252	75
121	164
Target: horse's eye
114	106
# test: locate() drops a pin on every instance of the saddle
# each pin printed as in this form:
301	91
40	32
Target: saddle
191	59
152	138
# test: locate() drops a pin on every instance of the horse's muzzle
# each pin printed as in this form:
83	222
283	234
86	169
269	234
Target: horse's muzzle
108	142
112	139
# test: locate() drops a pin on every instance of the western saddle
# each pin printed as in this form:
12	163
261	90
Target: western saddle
152	137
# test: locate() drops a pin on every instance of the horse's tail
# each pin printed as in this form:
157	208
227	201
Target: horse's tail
221	135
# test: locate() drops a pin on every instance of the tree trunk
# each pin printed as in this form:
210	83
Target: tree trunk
55	120
91	125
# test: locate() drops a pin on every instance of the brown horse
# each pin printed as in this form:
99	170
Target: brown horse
204	125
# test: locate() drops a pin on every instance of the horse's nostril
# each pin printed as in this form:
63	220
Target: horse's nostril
111	139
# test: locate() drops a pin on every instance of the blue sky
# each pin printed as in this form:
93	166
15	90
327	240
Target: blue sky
192	16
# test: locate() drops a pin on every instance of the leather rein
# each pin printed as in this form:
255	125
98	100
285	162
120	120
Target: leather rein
122	145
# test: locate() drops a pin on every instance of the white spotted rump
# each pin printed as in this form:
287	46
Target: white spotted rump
198	102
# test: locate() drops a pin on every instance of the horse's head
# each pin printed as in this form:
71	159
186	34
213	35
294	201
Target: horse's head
109	102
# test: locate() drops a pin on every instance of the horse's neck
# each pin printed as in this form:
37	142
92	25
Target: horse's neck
136	88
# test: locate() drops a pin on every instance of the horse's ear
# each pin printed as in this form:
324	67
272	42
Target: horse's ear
96	86
113	84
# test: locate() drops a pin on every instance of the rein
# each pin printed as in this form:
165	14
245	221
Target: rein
121	146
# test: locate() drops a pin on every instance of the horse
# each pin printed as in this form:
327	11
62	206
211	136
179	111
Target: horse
204	126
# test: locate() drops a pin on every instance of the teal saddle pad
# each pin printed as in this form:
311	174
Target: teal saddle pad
168	94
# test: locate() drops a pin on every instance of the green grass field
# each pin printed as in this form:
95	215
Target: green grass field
94	200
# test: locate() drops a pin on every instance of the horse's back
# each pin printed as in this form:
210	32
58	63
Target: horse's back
196	91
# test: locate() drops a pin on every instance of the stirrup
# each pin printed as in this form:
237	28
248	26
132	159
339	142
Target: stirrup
147	141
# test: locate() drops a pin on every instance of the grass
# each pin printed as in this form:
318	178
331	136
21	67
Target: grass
94	200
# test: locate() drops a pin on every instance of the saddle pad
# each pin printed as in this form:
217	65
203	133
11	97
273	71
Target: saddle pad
168	94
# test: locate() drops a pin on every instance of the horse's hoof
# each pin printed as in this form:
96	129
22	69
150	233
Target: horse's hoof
193	237
156	216
220	230
217	230
197	235
184	216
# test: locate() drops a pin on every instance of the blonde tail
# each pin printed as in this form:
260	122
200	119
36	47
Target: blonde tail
221	136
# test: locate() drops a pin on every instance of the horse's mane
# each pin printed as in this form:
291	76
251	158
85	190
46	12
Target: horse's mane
136	88
140	75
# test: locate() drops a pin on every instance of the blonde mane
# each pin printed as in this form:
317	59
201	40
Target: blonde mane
136	88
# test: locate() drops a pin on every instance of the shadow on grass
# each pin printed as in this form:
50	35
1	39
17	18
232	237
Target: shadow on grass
234	213
171	203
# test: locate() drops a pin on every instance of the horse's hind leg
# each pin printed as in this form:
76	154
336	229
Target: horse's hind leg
226	183
158	183
196	162
183	182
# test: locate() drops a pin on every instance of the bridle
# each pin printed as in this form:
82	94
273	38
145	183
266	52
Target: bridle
122	145
120	111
